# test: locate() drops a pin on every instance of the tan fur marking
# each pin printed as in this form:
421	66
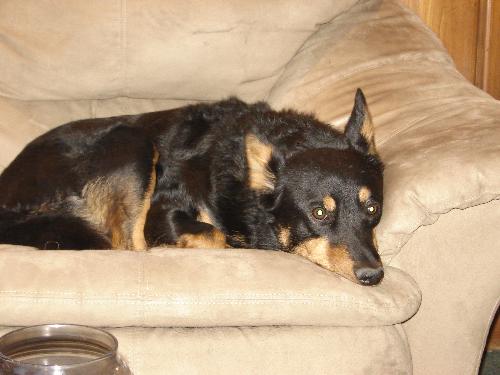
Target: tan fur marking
258	155
103	211
204	217
284	237
138	240
114	222
368	133
95	193
111	205
114	207
212	240
374	239
364	194
329	203
333	258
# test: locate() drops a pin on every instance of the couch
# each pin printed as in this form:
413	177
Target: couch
191	311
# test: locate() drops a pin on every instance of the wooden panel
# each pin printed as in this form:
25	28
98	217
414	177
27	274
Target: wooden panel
456	24
491	75
494	338
483	38
470	30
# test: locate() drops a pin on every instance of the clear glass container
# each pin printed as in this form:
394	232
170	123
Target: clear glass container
60	349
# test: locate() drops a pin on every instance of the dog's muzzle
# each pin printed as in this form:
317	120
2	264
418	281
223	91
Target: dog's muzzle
338	259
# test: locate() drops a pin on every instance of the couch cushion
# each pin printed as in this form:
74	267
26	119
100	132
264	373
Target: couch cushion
179	287
438	135
152	48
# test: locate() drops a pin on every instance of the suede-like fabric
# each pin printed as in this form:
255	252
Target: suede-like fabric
438	135
456	262
264	350
152	48
192	288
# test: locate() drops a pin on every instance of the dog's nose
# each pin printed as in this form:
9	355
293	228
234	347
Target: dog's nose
369	276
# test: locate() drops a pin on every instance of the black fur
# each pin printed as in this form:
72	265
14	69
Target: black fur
202	166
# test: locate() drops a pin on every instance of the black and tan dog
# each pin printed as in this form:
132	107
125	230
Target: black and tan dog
217	175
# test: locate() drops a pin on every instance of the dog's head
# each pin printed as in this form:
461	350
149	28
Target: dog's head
326	201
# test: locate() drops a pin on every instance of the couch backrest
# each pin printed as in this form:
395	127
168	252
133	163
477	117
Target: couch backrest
181	49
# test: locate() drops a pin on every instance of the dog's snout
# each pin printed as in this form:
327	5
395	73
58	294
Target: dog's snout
369	276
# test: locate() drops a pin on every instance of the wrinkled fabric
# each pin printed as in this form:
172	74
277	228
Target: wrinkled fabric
456	262
264	350
438	135
192	288
181	49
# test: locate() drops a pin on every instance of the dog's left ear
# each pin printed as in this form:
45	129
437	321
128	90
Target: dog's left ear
359	130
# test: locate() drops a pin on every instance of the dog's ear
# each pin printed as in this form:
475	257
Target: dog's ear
359	130
259	156
264	163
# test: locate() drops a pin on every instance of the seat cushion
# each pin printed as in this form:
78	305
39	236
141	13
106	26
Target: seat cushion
264	350
191	288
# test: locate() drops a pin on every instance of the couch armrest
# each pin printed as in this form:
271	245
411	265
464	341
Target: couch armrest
456	264
191	288
438	135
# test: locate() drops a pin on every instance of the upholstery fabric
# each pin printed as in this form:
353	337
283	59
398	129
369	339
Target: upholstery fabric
456	262
438	135
192	288
195	49
264	350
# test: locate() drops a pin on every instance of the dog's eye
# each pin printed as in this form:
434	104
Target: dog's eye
319	213
372	208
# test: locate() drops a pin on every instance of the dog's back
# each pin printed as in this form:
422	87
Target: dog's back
217	175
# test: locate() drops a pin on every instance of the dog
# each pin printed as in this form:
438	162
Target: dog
221	175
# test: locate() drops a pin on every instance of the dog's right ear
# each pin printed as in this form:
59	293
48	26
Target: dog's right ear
259	154
263	164
359	130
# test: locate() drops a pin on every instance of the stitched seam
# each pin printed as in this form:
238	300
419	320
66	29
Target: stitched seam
123	46
137	312
213	296
143	297
348	304
168	298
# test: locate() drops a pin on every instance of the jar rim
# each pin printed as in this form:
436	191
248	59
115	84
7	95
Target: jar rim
76	331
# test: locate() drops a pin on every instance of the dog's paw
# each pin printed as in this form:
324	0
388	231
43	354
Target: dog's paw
214	239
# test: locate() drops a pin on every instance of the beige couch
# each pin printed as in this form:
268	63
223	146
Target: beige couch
256	312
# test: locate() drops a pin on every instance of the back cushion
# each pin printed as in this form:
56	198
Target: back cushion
178	49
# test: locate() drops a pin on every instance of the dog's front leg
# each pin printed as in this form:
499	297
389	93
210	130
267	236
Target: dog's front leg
192	233
169	223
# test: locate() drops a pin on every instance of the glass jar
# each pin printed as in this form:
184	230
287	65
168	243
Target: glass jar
60	349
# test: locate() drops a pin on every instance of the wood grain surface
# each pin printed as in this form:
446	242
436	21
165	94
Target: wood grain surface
470	30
